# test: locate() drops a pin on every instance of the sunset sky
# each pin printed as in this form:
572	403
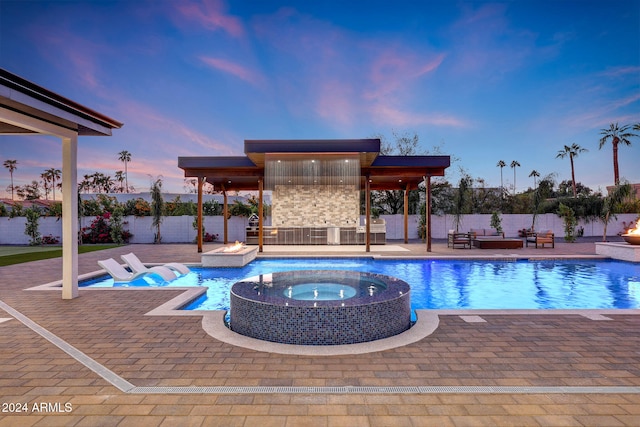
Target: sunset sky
482	81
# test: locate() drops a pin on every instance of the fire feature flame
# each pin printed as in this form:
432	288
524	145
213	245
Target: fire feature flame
634	231
234	248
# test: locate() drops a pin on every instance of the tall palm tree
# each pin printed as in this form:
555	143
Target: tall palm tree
52	175
11	165
617	135
45	184
571	151
125	157
514	165
535	174
501	164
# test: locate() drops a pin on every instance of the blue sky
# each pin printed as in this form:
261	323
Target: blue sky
482	81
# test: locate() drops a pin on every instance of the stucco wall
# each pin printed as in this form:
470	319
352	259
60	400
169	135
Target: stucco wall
179	229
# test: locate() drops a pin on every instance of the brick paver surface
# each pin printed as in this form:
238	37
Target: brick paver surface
39	379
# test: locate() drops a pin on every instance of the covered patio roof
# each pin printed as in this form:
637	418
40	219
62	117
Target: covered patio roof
242	173
27	109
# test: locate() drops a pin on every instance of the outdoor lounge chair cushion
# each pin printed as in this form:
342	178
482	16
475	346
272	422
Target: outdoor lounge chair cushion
122	275
138	266
485	232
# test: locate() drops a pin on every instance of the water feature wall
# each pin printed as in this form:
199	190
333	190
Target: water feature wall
315	205
313	190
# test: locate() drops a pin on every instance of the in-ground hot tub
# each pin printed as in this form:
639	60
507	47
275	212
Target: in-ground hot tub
320	307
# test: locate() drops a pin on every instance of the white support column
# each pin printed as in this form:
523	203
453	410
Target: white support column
69	139
69	217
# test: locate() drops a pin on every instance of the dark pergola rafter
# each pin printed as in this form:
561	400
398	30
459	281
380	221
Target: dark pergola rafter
378	172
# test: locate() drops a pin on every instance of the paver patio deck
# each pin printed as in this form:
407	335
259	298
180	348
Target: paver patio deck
110	327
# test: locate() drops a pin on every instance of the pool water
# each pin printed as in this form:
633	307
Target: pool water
319	292
449	284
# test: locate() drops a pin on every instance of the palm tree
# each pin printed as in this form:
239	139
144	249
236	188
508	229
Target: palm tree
571	151
45	184
617	135
534	173
11	165
52	175
514	165
120	178
125	157
501	164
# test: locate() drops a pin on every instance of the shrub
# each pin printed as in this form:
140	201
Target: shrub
240	209
570	221
211	208
117	233
137	207
50	240
496	222
31	226
16	211
55	209
208	237
101	229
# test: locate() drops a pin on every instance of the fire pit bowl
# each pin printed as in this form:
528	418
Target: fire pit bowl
632	239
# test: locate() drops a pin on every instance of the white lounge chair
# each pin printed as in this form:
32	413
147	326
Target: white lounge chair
122	275
138	267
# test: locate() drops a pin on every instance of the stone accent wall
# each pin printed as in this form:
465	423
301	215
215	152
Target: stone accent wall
315	205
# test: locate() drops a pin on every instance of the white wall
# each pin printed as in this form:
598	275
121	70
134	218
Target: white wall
514	222
179	229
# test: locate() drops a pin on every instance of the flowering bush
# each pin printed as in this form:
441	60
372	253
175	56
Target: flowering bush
50	240
208	237
100	231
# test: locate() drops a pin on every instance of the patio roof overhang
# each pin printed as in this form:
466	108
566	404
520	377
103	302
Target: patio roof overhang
23	97
29	109
240	173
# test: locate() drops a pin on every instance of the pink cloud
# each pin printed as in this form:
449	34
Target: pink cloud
234	69
346	79
169	135
212	15
602	114
335	102
73	53
386	114
393	71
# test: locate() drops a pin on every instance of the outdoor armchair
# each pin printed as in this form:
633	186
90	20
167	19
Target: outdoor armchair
541	238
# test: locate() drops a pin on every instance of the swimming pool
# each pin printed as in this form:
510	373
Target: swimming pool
449	284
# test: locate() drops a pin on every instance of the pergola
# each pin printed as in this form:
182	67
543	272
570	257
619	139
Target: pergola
378	172
28	109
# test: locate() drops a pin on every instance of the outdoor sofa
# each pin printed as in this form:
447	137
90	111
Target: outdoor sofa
490	233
